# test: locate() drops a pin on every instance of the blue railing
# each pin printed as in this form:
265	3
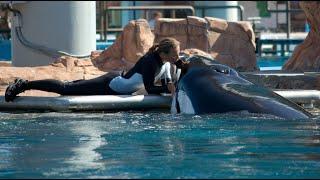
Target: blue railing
275	43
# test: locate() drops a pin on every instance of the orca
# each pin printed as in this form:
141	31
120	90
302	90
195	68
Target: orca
207	86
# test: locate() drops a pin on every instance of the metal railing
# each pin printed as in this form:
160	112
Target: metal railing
204	8
172	8
145	9
288	11
275	43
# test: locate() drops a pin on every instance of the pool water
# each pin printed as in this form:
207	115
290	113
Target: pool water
271	63
157	145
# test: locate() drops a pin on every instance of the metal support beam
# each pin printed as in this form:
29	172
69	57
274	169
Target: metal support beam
288	22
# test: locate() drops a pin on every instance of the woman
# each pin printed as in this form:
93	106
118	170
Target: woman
154	65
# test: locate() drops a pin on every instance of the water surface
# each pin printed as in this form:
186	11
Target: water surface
157	145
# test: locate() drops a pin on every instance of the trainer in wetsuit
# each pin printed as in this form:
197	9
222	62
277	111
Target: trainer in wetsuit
153	66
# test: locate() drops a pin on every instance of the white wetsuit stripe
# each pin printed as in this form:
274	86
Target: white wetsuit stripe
135	82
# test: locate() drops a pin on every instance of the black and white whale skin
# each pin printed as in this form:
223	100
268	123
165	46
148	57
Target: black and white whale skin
208	86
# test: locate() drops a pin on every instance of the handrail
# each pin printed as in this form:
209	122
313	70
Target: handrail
150	8
134	8
284	10
239	7
287	11
281	42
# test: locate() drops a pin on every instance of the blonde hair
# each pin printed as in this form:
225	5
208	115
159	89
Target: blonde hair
164	46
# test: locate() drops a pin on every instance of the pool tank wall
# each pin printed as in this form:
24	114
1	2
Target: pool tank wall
68	26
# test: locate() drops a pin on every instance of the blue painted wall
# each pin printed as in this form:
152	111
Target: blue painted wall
5	50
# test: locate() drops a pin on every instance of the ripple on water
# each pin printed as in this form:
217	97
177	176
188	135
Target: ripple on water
157	145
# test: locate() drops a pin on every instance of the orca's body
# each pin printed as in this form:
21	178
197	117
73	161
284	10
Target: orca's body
210	87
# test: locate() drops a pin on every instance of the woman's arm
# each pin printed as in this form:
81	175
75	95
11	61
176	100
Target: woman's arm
148	75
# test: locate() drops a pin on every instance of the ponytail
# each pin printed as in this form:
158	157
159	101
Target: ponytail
164	45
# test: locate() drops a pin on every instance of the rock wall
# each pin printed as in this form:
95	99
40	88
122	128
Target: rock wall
231	43
306	56
132	43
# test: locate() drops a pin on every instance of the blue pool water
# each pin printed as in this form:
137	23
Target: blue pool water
157	145
271	63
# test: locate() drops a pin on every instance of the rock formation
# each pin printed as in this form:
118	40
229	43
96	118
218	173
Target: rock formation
132	43
306	56
231	43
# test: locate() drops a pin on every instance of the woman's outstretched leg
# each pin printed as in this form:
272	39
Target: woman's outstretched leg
95	86
15	88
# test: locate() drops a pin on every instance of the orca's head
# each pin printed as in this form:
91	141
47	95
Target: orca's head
187	65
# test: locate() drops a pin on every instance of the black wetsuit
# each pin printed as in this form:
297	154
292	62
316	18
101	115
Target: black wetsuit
148	66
